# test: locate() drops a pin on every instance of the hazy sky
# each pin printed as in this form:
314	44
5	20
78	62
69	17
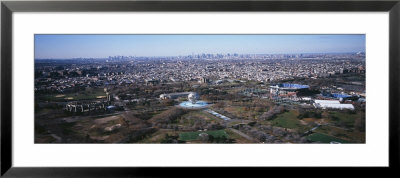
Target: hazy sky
99	46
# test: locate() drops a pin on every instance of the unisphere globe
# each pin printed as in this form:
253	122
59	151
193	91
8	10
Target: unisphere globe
193	97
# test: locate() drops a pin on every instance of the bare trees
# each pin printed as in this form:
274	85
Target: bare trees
169	116
359	124
272	112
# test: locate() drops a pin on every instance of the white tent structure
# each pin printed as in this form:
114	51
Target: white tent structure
327	101
332	104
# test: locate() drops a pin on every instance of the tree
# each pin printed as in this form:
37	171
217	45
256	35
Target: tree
272	112
87	139
359	124
168	102
219	105
210	138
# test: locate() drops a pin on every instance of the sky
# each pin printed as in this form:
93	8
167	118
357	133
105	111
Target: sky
101	46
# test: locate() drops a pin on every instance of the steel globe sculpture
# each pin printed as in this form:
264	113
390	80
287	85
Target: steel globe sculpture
193	97
193	102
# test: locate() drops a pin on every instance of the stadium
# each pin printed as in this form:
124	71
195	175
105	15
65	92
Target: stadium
337	95
286	89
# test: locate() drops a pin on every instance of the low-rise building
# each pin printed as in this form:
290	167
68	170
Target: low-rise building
332	104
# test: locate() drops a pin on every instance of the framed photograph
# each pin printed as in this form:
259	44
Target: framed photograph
104	88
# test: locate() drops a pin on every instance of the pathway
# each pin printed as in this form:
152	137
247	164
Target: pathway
242	134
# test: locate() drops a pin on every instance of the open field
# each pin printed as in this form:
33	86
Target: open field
341	133
322	138
158	136
344	119
189	136
243	112
200	115
289	120
97	93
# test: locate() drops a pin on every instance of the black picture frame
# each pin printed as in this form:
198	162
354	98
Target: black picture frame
8	7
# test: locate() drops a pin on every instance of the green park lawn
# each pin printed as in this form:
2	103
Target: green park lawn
343	118
188	136
289	120
318	137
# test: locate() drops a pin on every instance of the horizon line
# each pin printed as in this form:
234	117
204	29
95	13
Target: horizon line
202	53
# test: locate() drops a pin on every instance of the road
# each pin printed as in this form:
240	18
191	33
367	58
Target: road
227	120
243	134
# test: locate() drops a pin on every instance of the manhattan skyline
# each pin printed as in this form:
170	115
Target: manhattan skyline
55	46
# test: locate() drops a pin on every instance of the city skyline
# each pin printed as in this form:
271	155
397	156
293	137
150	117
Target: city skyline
50	46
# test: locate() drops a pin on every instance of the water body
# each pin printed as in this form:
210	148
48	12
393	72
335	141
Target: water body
189	104
218	115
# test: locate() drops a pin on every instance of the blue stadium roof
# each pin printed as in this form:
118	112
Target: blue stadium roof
292	85
337	95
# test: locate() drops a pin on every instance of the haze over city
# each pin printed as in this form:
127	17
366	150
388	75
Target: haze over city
48	46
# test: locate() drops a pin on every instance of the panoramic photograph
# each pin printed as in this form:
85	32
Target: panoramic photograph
200	88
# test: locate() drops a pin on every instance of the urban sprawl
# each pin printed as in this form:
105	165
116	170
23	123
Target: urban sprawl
202	98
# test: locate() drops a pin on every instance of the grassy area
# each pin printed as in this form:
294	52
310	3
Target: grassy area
243	112
237	137
318	137
67	128
353	136
44	139
344	118
84	95
230	124
187	136
157	137
189	118
289	120
203	115
40	129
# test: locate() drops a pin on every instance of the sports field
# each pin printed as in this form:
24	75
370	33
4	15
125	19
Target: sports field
188	136
318	137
